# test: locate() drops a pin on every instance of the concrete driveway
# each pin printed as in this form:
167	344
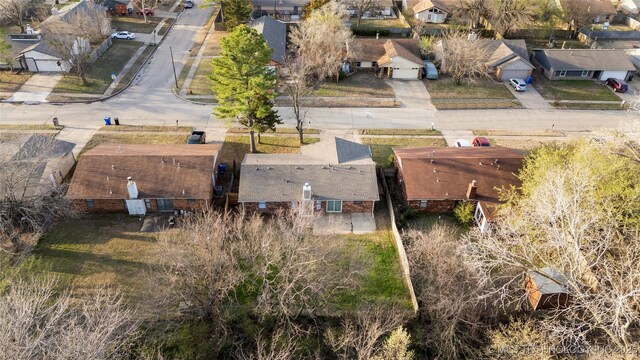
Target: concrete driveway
530	99
632	95
37	88
411	93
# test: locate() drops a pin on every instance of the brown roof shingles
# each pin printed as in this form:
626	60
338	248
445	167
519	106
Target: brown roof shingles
160	171
382	50
447	177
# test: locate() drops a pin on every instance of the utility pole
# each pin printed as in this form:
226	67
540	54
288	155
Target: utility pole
173	64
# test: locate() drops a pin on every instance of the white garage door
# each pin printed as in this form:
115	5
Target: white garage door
613	74
407	74
48	65
514	74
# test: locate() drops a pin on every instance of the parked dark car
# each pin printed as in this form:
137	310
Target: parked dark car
618	85
147	11
197	137
481	141
188	4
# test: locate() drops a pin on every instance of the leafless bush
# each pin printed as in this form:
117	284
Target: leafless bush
464	58
37	324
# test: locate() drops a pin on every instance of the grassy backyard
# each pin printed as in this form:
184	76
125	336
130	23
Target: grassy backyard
446	88
125	137
379	23
99	73
11	82
381	148
135	23
236	146
573	90
360	84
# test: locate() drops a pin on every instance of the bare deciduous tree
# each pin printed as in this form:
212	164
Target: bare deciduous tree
360	335
473	10
463	58
13	11
30	203
144	6
361	7
448	289
73	38
298	83
37	324
507	15
577	14
520	339
324	53
575	218
279	345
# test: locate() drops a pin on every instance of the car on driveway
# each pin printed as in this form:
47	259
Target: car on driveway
123	35
430	71
480	141
618	85
461	143
188	4
518	84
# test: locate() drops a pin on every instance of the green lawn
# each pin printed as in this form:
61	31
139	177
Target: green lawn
379	23
99	73
134	69
381	147
29	127
135	138
11	82
135	23
101	250
165	27
200	84
236	146
360	84
398	132
446	88
573	90
279	130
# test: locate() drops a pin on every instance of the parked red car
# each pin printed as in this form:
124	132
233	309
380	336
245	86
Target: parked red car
618	85
147	11
481	141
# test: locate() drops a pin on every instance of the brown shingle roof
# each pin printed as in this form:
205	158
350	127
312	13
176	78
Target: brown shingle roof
454	169
160	171
382	50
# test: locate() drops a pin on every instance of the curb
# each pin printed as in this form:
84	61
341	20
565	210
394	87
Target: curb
113	94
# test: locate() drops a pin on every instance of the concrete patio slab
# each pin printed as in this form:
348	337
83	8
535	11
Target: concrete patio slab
331	224
363	223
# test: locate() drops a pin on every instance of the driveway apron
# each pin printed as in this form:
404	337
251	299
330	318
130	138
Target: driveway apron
411	93
37	88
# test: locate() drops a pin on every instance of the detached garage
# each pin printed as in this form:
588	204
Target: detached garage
42	58
585	64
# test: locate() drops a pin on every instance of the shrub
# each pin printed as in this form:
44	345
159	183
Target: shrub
360	31
464	213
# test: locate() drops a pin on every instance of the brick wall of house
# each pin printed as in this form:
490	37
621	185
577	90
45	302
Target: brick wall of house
347	206
350	207
196	205
433	206
119	205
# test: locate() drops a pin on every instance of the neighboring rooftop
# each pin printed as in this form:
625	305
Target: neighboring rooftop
428	4
596	7
160	171
382	50
549	281
275	34
588	59
436	173
336	169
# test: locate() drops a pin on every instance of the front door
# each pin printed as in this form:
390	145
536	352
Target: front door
165	205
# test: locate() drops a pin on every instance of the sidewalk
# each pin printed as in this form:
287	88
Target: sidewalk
196	62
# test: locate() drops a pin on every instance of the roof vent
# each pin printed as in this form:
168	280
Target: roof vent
162	160
432	161
480	163
437	180
178	165
183	191
498	167
434	170
107	178
495	161
447	193
110	192
113	167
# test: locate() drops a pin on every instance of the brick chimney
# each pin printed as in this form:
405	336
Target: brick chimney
306	192
472	190
132	188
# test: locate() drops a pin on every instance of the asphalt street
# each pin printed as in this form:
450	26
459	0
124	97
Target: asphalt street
150	100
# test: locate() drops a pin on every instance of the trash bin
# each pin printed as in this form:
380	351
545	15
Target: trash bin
116	121
222	168
55	122
107	121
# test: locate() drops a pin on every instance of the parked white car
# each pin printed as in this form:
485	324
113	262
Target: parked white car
462	143
123	35
518	84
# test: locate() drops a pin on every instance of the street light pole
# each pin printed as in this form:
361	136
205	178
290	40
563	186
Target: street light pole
173	64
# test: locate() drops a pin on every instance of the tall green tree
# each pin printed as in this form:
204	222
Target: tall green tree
243	83
5	49
235	12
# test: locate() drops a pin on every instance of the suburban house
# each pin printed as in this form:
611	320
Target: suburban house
395	58
283	10
629	6
584	64
275	34
431	11
332	176
436	179
42	57
546	289
507	59
144	178
117	7
600	10
45	161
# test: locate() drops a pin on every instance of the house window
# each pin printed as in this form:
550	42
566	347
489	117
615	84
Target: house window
563	73
90	203
147	203
423	204
262	205
374	64
357	203
294	204
334	206
318	205
585	73
358	64
165	204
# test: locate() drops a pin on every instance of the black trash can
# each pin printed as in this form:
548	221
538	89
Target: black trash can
116	121
55	122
